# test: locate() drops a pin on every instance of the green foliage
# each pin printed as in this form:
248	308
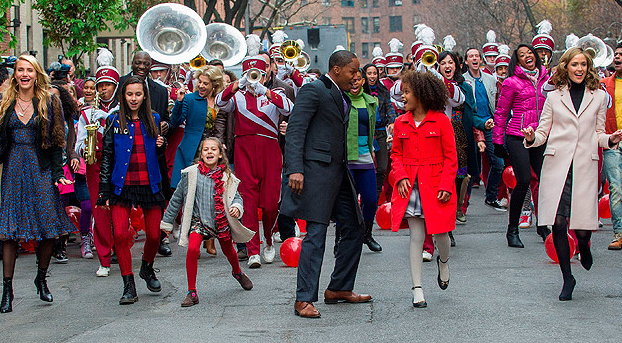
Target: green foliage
5	7
72	25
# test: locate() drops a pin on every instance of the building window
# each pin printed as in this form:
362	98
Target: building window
416	2
364	3
326	3
395	3
348	22
376	24
374	3
416	19
347	3
365	25
395	23
377	44
326	20
352	47
365	50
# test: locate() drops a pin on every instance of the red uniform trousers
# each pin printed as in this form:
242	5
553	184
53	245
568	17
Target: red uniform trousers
124	235
171	148
102	232
258	164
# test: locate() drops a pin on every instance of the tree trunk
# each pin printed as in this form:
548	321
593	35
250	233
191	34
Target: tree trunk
191	4
532	19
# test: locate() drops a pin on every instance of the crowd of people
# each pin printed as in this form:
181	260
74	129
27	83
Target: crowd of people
205	156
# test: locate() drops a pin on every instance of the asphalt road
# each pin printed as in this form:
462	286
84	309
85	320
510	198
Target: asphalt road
496	294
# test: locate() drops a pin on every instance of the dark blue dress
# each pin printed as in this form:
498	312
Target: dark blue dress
30	205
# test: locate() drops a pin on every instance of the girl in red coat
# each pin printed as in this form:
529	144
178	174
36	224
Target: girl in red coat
424	166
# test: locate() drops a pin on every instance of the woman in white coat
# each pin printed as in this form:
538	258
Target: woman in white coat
573	121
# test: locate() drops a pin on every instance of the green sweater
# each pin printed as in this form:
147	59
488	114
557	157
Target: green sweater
359	101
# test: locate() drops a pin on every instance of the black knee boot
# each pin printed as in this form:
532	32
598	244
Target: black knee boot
148	274
7	295
42	285
368	239
129	290
513	239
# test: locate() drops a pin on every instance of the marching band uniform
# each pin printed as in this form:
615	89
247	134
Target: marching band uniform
490	49
101	217
543	40
257	157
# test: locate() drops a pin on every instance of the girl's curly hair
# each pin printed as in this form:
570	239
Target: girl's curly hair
431	92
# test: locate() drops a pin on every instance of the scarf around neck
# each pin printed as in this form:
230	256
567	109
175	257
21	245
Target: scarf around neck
222	224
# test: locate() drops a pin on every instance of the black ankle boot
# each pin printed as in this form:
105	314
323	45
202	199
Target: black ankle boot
513	239
164	249
129	290
7	295
148	274
42	285
586	255
543	231
368	239
567	289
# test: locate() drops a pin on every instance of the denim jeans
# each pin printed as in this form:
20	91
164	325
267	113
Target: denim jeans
496	168
612	166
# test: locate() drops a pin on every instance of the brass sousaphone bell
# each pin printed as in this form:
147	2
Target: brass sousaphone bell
291	50
169	33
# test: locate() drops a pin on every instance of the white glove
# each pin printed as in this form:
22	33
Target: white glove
258	89
420	67
282	72
242	82
435	73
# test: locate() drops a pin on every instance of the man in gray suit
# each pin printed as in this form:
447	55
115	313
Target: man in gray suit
318	186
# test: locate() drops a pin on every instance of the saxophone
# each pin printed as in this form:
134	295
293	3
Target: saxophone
90	143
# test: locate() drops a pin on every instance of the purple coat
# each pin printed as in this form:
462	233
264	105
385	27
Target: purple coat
519	95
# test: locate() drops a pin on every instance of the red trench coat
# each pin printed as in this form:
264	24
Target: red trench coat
426	153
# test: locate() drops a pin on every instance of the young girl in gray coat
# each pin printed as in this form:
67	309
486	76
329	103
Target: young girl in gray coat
212	208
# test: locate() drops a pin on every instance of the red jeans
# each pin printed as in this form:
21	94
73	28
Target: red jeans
124	236
102	233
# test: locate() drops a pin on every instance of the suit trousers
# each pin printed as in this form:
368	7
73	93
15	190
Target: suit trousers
348	251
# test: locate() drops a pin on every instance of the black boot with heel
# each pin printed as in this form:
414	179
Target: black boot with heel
368	239
7	295
513	239
42	286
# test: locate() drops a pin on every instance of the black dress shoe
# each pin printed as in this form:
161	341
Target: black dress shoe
147	273
442	284
7	295
129	290
42	286
420	304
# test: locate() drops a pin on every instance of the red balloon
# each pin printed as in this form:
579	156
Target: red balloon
302	225
383	216
604	211
290	251
73	213
550	247
509	178
137	219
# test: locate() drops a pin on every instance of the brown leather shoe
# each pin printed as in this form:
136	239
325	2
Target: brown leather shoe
306	309
334	297
209	246
244	281
191	299
616	244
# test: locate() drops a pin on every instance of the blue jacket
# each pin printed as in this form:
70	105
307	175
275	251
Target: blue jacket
116	151
193	110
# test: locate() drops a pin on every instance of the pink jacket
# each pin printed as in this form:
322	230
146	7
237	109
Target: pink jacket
519	95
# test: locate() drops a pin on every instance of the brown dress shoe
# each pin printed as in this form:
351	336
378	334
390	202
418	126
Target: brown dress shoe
616	244
244	281
209	246
306	309
191	299
334	297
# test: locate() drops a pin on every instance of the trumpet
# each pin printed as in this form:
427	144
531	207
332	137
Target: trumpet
253	75
428	58
290	49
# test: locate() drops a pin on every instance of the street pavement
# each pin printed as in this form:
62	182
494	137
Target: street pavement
496	294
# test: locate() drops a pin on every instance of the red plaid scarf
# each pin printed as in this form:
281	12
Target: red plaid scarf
222	225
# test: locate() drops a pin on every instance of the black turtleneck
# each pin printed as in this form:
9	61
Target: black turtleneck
576	94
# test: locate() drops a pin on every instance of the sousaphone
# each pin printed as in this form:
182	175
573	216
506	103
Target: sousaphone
171	33
224	42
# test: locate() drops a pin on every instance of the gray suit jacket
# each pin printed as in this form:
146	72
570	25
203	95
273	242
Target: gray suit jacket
316	147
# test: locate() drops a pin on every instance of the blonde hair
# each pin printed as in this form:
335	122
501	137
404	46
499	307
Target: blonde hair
215	76
560	77
41	89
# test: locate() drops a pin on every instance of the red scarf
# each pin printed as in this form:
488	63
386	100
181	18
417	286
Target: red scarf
222	224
